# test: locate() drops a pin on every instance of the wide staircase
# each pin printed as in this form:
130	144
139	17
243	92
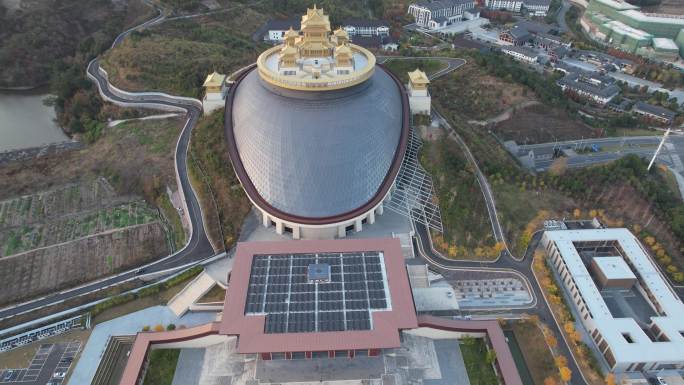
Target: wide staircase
113	360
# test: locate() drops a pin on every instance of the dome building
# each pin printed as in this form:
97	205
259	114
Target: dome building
317	132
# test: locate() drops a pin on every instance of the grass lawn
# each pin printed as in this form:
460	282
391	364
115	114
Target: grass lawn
162	367
402	67
216	294
474	357
536	353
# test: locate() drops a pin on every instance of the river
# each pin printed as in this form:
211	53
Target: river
26	122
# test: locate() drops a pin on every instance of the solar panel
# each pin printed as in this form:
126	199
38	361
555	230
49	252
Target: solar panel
296	297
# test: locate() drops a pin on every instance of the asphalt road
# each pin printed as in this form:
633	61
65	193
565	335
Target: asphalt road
198	247
643	146
523	266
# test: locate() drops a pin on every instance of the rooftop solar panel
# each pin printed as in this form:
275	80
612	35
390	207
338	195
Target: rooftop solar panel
295	293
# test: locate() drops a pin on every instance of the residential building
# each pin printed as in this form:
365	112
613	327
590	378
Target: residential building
443	12
536	7
522	54
598	88
620	297
655	113
274	29
508	5
386	43
365	27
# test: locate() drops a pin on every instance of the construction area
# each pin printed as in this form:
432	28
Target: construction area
74	233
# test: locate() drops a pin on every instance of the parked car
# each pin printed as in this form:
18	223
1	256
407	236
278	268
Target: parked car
59	374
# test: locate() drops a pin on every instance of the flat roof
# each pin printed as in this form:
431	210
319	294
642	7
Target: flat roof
375	284
671	322
636	14
614	268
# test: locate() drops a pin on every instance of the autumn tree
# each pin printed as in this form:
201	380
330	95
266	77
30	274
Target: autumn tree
565	373
158	328
561	361
551	341
550	381
610	379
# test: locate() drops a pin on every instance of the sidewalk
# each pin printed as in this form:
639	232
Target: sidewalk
129	324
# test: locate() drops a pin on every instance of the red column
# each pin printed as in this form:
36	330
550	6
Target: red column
331	354
373	352
307	355
352	353
288	355
266	356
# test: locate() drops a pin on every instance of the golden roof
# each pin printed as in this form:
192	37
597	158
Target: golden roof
343	50
288	50
214	79
291	33
315	17
341	32
418	77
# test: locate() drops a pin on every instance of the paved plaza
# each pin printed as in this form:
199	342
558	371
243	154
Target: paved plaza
420	360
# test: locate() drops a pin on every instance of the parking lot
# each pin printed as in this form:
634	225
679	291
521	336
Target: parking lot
49	365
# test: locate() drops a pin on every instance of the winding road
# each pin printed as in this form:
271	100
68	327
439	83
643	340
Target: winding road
198	247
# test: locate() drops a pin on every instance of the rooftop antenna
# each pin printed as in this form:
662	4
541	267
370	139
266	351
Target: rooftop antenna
657	151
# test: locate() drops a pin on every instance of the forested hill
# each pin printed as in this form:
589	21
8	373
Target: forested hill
42	36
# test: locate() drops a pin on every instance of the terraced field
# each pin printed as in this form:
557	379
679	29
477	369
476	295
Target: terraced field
74	233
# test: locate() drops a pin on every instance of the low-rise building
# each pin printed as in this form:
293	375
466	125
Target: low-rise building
536	7
508	5
656	113
386	43
522	54
593	86
625	304
274	29
443	12
365	27
515	36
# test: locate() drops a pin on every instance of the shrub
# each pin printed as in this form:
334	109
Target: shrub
170	327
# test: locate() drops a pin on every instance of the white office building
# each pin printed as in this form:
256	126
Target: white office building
623	301
439	13
508	5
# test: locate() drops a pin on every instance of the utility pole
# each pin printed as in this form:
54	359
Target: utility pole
655	155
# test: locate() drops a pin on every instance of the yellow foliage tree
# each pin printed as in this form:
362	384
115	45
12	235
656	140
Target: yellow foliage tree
561	361
550	381
593	213
158	328
610	379
565	373
452	251
577	213
649	240
551	341
569	327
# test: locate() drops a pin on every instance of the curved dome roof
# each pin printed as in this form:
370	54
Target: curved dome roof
316	154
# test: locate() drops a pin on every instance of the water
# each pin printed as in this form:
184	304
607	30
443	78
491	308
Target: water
26	122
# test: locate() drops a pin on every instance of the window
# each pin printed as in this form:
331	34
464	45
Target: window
628	338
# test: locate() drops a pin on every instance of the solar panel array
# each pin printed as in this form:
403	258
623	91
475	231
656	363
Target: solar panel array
279	287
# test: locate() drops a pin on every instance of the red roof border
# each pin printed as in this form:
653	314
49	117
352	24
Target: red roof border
386	324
